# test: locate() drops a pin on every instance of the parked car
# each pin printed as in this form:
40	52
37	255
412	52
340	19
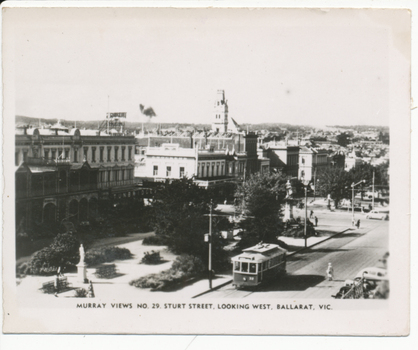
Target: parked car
377	214
373	274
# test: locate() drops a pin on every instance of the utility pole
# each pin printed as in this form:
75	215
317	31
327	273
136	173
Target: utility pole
306	215
210	245
373	192
352	199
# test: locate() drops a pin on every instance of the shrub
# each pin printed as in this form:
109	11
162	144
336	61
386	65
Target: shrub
183	268
44	262
155	240
187	264
23	269
101	255
80	293
151	258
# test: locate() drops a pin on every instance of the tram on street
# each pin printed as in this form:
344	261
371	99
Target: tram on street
258	264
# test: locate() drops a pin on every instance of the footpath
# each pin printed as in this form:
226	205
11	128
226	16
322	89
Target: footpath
118	287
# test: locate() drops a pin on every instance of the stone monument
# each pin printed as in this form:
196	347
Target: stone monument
81	267
288	202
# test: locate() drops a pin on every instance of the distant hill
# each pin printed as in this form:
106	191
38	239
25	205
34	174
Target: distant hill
94	124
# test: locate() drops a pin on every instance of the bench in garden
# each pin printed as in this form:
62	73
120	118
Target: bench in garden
63	285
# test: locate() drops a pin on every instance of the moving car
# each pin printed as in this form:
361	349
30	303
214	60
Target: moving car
377	214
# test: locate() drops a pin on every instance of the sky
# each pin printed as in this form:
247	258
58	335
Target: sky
313	67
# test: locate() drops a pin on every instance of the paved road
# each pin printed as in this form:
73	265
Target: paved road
349	253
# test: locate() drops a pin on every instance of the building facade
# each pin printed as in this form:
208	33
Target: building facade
63	174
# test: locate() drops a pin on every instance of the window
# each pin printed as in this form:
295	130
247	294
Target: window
207	170
181	171
46	153
59	154
108	175
75	156
116	153
213	170
303	160
222	169
123	153
123	174
236	266
17	159
85	153
53	153
253	268
244	267
217	170
155	171
130	153
93	154
109	156
168	172
101	154
67	154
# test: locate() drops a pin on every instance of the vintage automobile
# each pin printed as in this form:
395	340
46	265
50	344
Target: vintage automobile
373	274
378	214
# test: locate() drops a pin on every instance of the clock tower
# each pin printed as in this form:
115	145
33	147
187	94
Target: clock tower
220	118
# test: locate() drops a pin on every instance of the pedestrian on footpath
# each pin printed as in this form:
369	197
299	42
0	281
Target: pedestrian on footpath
56	284
316	221
358	224
330	272
311	215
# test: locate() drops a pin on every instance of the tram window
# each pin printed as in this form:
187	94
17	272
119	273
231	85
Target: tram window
259	267
265	265
252	268
236	268
244	267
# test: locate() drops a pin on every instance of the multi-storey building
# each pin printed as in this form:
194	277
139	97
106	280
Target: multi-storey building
62	174
311	161
209	156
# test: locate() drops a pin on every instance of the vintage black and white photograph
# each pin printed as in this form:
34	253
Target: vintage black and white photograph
245	166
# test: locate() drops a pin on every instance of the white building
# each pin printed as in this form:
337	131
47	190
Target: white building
170	162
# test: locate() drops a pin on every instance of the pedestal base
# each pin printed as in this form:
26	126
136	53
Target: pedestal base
288	211
82	273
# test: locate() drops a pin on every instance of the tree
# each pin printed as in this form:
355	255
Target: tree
365	172
335	182
382	172
260	198
180	211
342	139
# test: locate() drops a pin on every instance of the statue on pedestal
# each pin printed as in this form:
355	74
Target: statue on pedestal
288	208
81	266
81	250
289	191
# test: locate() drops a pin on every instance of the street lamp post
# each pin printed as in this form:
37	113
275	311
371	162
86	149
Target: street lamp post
352	199
306	215
305	235
210	245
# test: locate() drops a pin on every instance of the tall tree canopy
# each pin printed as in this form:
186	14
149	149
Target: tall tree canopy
336	182
343	139
180	211
260	198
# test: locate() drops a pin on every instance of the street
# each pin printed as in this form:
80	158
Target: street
349	253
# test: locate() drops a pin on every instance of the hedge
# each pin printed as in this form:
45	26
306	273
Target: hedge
184	268
96	256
